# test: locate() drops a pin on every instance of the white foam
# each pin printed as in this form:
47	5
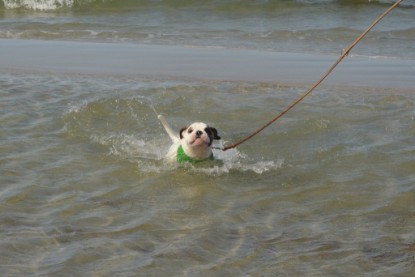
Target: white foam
76	108
234	160
149	156
259	167
40	5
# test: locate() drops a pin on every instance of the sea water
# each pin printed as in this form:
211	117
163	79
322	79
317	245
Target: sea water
294	26
328	190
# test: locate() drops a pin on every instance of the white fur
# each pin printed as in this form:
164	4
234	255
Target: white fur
171	154
195	141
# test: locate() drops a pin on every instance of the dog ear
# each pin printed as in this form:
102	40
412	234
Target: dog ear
181	131
213	132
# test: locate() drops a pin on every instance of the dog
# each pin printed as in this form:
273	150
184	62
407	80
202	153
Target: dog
193	144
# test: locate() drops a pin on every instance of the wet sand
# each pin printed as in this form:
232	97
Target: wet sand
216	64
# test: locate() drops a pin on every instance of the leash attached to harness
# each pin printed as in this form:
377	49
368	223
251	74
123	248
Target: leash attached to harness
344	54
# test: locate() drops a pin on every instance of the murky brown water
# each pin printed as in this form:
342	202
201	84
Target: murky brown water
327	190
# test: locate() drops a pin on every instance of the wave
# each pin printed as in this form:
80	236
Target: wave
42	5
215	5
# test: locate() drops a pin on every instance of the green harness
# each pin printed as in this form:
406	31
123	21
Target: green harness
182	157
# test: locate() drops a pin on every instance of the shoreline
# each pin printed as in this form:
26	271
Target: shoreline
210	64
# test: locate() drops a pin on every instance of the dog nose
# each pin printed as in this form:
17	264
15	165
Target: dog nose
199	133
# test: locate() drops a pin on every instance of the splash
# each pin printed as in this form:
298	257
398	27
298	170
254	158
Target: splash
150	157
109	123
226	167
129	147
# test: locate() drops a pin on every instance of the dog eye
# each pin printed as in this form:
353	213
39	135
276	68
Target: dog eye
190	130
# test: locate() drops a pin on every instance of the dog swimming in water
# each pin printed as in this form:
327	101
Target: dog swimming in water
192	144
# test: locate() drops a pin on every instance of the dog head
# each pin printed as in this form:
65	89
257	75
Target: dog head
197	140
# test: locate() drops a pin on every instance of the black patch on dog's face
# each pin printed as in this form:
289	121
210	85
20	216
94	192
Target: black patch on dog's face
212	133
181	131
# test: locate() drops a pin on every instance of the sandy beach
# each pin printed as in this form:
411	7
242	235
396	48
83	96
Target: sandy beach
218	64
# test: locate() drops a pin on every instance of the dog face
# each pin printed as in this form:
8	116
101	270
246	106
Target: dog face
197	140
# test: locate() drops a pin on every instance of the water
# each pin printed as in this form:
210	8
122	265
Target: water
328	190
293	26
